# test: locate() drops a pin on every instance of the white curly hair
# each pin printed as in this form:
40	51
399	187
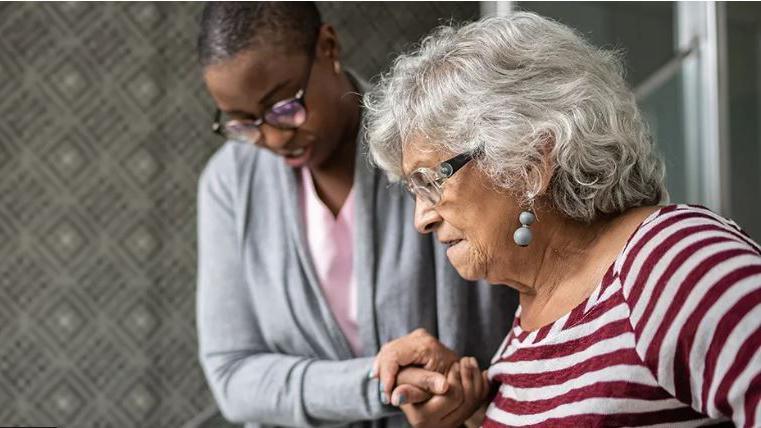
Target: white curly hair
518	89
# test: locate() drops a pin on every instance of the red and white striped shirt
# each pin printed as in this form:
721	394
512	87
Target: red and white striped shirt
671	337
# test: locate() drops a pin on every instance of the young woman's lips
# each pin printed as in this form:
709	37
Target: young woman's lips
298	157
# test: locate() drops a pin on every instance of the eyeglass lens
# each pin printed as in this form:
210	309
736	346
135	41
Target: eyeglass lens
425	185
288	114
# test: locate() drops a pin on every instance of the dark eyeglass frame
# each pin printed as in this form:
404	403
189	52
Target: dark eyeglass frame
427	183
218	128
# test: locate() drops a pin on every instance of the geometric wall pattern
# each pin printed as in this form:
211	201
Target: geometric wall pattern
104	129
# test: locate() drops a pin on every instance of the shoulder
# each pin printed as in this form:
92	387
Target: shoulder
236	170
692	281
681	247
687	233
227	162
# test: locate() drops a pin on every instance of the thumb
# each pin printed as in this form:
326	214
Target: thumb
433	382
409	394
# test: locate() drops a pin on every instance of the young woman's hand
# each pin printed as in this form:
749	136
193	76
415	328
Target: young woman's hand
415	385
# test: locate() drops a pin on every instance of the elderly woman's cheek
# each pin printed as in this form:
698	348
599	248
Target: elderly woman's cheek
469	259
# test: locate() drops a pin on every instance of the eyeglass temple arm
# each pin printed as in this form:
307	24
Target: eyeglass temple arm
456	163
216	127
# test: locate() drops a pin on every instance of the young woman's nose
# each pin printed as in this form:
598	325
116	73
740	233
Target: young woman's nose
275	139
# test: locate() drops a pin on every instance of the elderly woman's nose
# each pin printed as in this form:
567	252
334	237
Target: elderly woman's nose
426	218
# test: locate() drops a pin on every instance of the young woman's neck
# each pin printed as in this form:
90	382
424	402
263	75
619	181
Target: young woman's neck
334	178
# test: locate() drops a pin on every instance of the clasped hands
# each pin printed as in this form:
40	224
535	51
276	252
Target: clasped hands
428	382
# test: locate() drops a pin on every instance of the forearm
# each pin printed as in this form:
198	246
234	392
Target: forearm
262	388
342	391
294	391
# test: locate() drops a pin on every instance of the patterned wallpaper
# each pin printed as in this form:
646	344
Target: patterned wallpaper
103	132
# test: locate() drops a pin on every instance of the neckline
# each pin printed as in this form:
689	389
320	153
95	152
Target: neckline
310	196
576	315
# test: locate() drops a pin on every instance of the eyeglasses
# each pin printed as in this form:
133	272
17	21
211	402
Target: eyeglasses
290	113
427	183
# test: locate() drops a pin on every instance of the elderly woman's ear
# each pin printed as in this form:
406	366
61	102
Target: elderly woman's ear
540	177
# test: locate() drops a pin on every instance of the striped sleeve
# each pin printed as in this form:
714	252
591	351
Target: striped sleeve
692	281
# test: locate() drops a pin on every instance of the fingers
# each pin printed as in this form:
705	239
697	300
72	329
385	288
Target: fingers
437	410
417	348
455	393
478	380
487	385
471	388
453	377
432	382
392	356
409	394
387	370
475	388
429	352
475	385
437	357
466	377
455	382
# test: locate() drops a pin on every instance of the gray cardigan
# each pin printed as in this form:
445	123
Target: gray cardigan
269	345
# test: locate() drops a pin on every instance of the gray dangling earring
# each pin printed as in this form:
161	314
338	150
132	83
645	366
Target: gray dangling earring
523	234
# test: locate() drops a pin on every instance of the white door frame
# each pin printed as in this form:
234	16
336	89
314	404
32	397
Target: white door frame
705	94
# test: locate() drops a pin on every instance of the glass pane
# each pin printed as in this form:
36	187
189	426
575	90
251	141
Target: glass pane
645	33
663	111
643	30
744	48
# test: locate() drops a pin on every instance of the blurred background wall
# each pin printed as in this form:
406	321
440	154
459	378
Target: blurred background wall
105	127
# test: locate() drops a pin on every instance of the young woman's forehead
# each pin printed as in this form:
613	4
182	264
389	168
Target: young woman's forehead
252	77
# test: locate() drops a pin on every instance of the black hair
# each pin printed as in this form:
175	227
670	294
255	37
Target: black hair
228	28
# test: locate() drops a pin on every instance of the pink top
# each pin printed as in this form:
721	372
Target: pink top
331	245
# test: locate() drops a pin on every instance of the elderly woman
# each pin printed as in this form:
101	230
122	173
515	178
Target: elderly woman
530	161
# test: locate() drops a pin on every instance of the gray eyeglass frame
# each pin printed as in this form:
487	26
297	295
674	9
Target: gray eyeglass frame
436	178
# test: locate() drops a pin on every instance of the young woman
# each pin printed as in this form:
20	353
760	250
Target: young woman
308	258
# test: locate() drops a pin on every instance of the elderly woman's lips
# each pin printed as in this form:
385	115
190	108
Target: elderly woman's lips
452	242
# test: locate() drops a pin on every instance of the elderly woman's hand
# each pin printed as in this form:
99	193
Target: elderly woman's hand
468	389
418	348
